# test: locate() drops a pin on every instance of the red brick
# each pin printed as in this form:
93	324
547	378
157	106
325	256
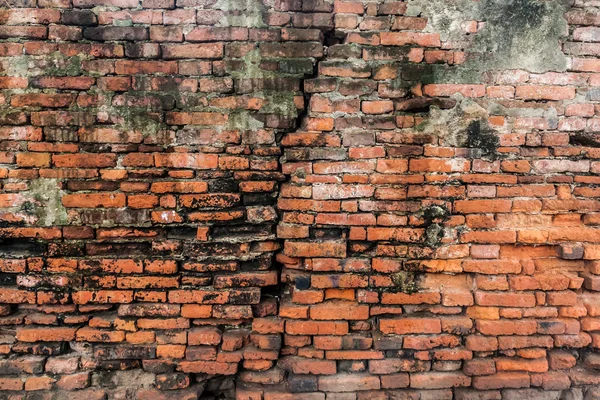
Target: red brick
299	365
545	92
495	328
348	383
46	334
407	38
536	365
410	325
204	336
438	380
104	200
502	380
339	310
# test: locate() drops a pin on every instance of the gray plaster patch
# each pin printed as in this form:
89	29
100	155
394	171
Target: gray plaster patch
452	125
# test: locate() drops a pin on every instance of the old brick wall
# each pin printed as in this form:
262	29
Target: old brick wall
286	199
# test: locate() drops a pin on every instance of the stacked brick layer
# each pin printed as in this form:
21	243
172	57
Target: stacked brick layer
297	200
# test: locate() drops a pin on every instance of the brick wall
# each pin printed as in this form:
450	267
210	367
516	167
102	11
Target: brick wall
306	200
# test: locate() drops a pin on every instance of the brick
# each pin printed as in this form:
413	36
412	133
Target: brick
94	200
410	325
87	334
207	367
438	380
46	334
492	267
348	383
450	89
204	336
545	92
339	310
316	328
325	249
299	365
407	38
536	365
145	67
109	33
197	50
84	160
190	160
505	299
502	380
495	328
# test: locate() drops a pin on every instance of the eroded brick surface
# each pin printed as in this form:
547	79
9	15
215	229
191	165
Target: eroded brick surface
291	199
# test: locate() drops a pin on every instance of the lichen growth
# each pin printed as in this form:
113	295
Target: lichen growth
246	13
47	204
53	64
133	119
278	102
244	121
405	281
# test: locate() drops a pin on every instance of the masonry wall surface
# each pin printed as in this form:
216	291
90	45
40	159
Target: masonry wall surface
312	200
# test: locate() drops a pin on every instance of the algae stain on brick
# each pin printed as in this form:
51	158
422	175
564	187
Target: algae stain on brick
47	205
516	34
53	64
248	13
279	102
134	119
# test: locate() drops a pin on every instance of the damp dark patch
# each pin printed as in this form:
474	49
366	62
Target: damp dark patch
423	104
585	139
302	282
21	248
482	138
434	217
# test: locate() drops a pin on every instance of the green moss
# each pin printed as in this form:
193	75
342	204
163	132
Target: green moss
280	104
54	64
464	125
135	119
405	281
434	234
71	66
455	74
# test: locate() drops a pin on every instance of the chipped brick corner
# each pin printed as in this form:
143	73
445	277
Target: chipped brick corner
286	199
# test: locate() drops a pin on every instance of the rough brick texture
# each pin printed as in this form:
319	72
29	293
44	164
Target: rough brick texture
286	199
